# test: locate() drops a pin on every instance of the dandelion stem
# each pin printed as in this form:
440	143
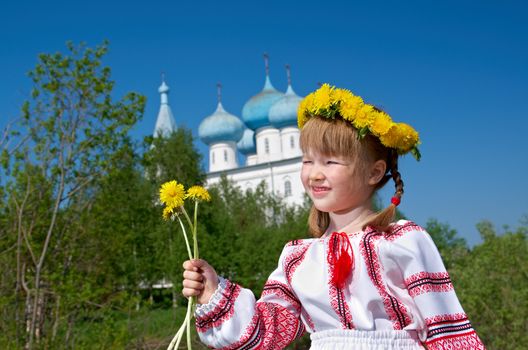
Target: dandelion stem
188	320
187	217
177	338
195	230
169	193
186	238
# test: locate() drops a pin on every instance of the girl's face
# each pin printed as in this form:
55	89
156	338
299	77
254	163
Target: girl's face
333	183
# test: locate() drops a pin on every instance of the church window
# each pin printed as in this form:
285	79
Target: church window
212	157
225	155
266	146
287	188
292	142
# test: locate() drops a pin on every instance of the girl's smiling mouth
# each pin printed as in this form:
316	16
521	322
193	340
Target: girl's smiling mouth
320	190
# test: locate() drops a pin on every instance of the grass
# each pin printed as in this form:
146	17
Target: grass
153	329
147	329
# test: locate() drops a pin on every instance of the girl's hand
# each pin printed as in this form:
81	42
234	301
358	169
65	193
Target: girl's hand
199	279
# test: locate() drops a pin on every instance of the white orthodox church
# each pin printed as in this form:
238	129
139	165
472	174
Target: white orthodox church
267	135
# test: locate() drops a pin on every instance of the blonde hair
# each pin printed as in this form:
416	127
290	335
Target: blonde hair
336	137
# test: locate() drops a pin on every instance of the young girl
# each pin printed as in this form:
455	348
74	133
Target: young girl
364	282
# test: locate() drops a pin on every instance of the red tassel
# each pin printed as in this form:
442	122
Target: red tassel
340	258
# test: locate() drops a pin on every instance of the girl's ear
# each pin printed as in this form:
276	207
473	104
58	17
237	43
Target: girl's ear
377	172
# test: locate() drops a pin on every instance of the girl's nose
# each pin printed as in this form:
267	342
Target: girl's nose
316	175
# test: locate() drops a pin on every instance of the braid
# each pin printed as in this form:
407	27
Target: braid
383	218
396	176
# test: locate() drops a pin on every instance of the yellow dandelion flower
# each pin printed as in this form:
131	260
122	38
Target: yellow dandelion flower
301	112
167	213
331	102
350	106
364	116
408	137
400	136
198	193
340	95
392	137
322	98
381	123
172	194
313	105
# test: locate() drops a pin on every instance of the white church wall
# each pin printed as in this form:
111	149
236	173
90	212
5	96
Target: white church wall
268	144
222	156
274	174
290	142
251	159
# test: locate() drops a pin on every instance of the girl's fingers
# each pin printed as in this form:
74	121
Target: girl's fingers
200	279
192	275
196	265
189	284
189	266
189	292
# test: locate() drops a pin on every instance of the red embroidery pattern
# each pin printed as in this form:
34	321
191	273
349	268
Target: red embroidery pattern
281	325
301	329
445	318
222	312
397	312
396	231
337	297
251	337
308	320
468	341
427	282
293	260
272	327
282	291
451	331
294	242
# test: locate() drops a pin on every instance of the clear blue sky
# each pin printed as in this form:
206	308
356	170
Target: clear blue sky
456	70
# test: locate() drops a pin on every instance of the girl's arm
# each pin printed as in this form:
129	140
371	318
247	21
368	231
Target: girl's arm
231	318
429	285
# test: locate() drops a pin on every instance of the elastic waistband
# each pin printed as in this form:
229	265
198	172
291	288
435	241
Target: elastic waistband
379	338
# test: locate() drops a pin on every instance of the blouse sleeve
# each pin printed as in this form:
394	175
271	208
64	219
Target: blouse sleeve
429	285
233	319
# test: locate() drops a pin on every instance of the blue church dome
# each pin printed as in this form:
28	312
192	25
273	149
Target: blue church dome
247	145
255	113
220	126
284	112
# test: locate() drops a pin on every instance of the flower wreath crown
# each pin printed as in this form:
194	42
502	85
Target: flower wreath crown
331	102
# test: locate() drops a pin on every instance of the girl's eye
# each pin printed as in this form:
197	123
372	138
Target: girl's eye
307	162
331	162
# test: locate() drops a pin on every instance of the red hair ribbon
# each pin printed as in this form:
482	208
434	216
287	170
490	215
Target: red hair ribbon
340	258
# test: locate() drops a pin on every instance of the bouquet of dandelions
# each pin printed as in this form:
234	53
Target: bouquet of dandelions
173	196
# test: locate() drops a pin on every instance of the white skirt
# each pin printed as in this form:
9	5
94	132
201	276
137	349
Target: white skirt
337	339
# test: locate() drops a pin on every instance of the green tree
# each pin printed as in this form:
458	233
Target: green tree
492	284
244	232
105	277
74	127
173	157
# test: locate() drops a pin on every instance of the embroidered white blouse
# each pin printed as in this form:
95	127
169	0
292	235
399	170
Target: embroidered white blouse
398	283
